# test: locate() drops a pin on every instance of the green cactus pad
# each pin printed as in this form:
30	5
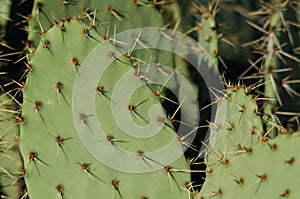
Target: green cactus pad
237	125
61	164
270	170
207	35
101	15
11	162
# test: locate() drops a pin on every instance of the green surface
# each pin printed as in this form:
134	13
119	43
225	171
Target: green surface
51	164
10	159
269	171
238	129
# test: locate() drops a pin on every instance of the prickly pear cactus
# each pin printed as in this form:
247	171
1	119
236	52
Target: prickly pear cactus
207	34
264	172
241	157
111	106
237	126
136	142
11	162
278	71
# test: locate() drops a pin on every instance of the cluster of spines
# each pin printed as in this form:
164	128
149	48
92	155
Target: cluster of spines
11	175
277	58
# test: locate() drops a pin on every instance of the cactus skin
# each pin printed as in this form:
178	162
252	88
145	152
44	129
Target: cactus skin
108	14
11	162
237	126
264	172
42	17
48	119
207	34
241	160
272	63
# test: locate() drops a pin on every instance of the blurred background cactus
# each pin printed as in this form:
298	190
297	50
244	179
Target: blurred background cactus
253	48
